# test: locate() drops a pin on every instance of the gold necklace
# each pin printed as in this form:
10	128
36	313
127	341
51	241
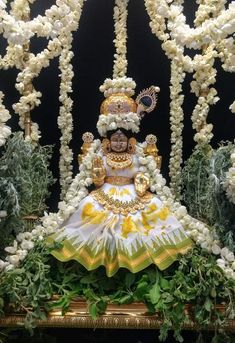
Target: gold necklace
119	160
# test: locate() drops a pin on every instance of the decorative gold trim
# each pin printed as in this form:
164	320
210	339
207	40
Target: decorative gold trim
118	206
132	316
119	180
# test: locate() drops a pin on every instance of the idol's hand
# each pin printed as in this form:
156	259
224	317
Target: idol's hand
98	171
141	183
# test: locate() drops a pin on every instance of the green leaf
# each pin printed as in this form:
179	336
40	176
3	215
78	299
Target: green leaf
129	280
93	310
208	305
141	290
101	306
126	299
164	284
155	293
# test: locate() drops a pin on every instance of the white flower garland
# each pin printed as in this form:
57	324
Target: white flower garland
64	18
168	15
229	183
65	119
50	222
120	23
5	130
19	32
122	84
204	77
196	230
109	122
176	121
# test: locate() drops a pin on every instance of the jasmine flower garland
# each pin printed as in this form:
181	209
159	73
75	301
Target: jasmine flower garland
120	22
5	130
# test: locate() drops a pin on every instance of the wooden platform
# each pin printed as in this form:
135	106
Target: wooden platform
133	316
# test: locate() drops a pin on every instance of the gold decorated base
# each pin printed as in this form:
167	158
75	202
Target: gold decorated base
132	316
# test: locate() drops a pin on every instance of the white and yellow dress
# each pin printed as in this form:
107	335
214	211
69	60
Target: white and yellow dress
114	227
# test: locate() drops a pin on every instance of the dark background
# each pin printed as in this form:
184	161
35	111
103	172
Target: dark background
93	49
93	61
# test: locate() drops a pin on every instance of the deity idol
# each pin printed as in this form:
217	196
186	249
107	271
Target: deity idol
121	224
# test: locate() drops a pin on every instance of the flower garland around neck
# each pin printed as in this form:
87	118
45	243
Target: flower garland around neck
35	63
120	28
197	230
24	242
229	183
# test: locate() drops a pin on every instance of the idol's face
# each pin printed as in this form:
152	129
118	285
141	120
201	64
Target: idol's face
118	141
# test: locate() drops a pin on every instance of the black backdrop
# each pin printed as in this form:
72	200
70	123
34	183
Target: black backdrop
93	49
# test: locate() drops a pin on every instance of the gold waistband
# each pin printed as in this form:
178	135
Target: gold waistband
118	180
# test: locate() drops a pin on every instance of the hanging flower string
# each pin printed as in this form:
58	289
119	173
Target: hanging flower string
176	121
64	16
65	120
5	130
120	26
214	25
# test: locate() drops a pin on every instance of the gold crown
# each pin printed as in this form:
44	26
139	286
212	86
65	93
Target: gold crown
118	103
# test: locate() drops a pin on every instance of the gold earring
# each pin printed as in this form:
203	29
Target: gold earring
106	146
132	145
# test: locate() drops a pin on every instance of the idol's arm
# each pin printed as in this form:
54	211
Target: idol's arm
142	183
98	171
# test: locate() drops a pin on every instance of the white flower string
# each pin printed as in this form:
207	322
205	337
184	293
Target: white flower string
5	130
128	121
64	16
120	28
176	121
214	25
65	119
204	77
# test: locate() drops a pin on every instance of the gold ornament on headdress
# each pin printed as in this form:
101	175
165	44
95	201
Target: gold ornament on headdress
118	103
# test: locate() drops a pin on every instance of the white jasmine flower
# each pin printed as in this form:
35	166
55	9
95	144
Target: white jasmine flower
27	245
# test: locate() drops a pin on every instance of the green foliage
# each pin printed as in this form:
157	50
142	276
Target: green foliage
195	279
204	196
24	182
